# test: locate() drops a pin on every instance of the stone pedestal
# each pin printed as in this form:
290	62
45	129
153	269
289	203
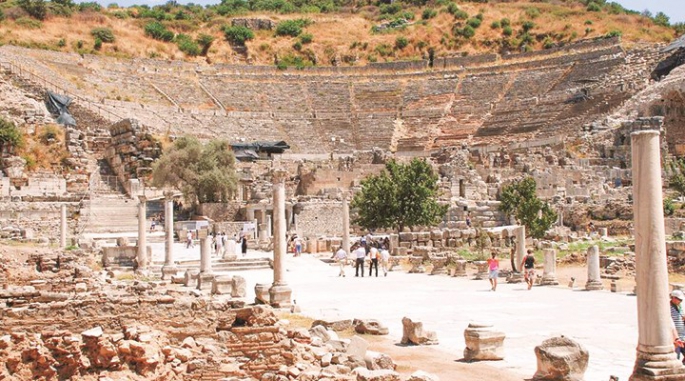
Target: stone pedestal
416	265
594	279
560	358
205	281
205	253
656	359
439	266
603	232
459	268
280	296
483	343
190	277
482	270
229	251
261	291
142	233
549	277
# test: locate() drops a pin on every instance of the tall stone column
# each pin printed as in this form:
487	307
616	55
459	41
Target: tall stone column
656	358
346	226
594	279
269	229
169	267
549	276
520	245
279	293
205	252
142	233
63	226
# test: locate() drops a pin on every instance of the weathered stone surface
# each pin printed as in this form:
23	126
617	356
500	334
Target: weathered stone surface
364	374
357	347
239	287
420	375
483	343
413	333
560	359
376	360
336	325
370	327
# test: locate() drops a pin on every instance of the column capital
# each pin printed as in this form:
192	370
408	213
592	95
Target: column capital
168	195
652	124
279	175
142	199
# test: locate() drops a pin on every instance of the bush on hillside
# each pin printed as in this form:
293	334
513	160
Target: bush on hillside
104	34
35	8
89	6
205	41
187	45
401	42
238	34
593	7
158	31
97	45
505	22
390	9
429	13
10	136
292	28
306	38
473	23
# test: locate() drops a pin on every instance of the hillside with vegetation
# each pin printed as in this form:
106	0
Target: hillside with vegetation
321	32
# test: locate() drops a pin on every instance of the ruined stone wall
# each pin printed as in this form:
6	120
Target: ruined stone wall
39	221
319	219
131	151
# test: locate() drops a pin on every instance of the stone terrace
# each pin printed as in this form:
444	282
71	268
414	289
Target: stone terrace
409	107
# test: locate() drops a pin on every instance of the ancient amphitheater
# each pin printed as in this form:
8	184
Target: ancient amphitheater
563	116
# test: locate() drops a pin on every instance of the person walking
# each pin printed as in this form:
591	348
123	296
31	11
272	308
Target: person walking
298	246
374	255
340	256
677	297
385	260
243	244
528	266
360	255
493	273
189	240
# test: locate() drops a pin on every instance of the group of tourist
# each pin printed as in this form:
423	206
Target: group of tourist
365	251
219	242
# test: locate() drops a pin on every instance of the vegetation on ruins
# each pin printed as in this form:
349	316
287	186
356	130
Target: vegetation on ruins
402	195
677	180
403	30
10	136
520	201
204	173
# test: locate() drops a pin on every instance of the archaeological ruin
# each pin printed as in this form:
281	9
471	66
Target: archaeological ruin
99	282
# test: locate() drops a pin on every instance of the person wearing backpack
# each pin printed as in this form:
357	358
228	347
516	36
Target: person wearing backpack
528	266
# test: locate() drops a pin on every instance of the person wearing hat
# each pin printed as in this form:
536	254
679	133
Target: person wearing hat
677	297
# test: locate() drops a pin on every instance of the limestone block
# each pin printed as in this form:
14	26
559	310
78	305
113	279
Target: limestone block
261	291
335	325
413	333
205	281
190	277
420	375
423	236
239	287
370	327
406	237
324	334
376	360
222	285
364	374
483	343
560	358
436	234
357	347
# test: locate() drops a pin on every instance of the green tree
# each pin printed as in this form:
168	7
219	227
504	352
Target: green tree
35	8
677	181
205	41
238	34
519	200
402	195
104	34
661	19
10	136
204	173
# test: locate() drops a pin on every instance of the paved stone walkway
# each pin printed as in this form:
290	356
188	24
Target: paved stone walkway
605	323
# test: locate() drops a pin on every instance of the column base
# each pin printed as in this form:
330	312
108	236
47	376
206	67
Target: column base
515	278
280	296
594	285
657	363
144	271
169	271
549	281
204	281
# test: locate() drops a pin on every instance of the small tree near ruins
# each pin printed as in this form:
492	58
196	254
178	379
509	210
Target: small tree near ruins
402	195
204	173
519	200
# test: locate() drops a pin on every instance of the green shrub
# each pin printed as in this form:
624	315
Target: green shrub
97	45
306	38
205	41
104	34
383	50
62	43
588	22
10	136
461	15
390	9
122	15
297	46
473	23
669	207
187	45
527	26
480	16
238	34
158	31
452	8
614	33
507	31
532	12
505	22
292	28
2	15
593	7
29	23
467	31
548	43
661	19
495	25
35	8
79	44
429	13
401	42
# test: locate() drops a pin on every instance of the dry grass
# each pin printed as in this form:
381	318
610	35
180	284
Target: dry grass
335	33
41	154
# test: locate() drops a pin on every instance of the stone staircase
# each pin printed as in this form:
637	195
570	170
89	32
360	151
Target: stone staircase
219	264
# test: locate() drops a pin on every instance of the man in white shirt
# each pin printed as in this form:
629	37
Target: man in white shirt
385	260
360	255
341	258
373	255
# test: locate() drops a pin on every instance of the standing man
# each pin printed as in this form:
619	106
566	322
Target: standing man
374	255
360	255
677	297
385	260
493	267
528	266
298	246
341	257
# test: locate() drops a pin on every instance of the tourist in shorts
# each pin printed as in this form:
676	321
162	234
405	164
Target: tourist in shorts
528	266
360	255
677	297
493	273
